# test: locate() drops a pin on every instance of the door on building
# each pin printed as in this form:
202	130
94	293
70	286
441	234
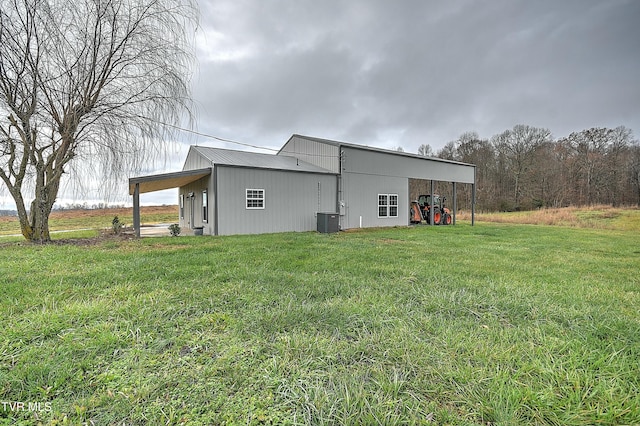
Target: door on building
192	197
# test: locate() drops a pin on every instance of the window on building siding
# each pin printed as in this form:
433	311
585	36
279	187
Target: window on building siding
181	206
387	205
205	206
255	199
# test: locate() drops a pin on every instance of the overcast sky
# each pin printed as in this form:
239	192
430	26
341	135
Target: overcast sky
405	73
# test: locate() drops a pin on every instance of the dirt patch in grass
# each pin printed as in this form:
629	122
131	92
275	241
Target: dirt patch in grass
102	237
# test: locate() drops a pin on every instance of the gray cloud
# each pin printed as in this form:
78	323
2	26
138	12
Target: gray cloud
412	72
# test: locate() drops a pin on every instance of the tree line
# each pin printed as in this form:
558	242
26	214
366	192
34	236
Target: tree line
526	168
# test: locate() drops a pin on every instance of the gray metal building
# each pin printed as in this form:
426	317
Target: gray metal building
236	192
366	175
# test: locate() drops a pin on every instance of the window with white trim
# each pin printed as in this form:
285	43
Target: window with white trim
181	206
387	205
205	206
255	199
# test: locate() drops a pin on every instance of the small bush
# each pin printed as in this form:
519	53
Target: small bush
116	225
174	229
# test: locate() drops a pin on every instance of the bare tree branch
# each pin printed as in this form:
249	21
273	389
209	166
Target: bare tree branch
89	79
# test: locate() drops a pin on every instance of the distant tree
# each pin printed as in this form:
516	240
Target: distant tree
616	162
524	168
588	164
634	170
469	148
86	82
448	151
518	146
473	150
549	180
400	149
425	150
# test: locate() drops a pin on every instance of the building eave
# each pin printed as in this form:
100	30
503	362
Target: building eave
162	181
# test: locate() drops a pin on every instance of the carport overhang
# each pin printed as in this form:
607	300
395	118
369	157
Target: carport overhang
150	183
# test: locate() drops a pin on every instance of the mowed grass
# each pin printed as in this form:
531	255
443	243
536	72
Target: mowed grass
492	324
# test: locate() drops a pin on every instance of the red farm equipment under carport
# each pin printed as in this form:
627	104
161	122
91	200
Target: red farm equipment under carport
421	210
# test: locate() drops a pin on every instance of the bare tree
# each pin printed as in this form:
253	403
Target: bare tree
518	145
617	164
86	82
472	149
634	170
588	163
425	150
448	151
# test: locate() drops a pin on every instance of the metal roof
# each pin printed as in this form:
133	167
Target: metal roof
371	148
234	158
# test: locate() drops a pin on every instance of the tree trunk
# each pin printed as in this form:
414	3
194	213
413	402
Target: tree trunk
25	227
46	191
39	220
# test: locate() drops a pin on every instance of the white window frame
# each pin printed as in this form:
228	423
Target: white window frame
256	195
390	204
181	206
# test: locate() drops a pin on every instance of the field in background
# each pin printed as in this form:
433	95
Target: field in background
485	325
598	217
96	219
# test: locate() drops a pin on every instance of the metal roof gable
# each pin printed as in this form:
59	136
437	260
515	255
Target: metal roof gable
228	157
374	149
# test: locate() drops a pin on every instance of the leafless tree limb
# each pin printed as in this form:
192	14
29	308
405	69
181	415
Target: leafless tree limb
89	80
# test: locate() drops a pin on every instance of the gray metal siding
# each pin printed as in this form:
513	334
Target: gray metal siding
197	187
379	163
195	160
314	152
361	200
291	200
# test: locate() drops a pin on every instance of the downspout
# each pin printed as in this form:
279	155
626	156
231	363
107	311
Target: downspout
408	216
215	200
339	210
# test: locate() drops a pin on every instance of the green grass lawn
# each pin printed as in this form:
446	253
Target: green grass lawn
493	324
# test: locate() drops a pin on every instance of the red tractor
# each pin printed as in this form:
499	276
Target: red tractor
421	210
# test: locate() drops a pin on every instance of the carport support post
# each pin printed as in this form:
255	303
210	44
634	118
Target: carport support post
473	203
432	205
455	202
136	209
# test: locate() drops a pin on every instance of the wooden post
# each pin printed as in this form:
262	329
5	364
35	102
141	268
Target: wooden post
136	210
